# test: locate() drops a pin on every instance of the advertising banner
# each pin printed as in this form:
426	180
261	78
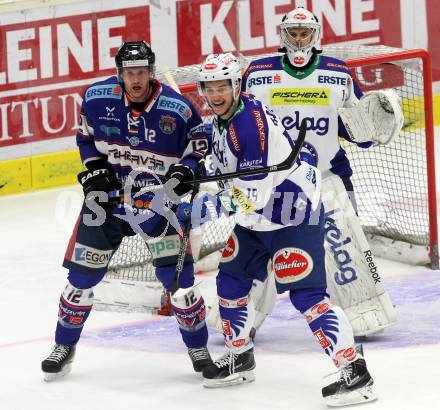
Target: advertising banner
49	55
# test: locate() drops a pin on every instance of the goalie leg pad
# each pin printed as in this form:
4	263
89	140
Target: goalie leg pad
189	308
353	277
74	309
264	296
236	311
328	323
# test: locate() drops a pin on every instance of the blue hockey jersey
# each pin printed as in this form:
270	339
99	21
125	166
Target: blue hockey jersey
167	131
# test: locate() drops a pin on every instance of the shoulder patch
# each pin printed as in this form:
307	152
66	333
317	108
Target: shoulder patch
103	91
260	67
233	135
336	65
175	105
261	129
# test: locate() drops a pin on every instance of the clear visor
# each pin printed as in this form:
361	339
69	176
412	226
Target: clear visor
211	90
299	37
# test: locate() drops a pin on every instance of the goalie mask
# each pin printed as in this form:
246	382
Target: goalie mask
218	67
135	54
300	35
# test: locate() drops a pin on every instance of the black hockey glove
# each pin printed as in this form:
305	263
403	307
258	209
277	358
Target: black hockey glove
99	177
183	174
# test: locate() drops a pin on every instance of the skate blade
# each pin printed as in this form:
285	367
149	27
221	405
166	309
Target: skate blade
232	380
49	377
363	395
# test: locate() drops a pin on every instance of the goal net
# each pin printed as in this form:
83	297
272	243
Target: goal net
394	184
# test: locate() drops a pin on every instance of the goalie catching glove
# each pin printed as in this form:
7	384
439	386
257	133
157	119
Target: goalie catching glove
378	117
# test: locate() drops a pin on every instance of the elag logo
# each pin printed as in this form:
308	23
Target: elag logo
319	125
292	265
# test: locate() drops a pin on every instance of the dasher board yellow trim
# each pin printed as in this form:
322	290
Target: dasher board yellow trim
39	172
60	168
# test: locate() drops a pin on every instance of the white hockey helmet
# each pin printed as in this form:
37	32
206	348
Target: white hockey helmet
300	18
217	67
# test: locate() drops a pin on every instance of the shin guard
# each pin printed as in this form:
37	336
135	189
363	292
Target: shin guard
189	308
331	327
74	308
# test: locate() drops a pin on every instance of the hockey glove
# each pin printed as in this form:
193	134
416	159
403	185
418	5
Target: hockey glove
98	178
206	208
183	174
199	211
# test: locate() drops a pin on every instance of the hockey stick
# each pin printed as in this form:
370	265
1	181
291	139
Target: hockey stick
282	166
183	246
171	82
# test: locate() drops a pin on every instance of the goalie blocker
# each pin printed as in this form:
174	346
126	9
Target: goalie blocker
353	279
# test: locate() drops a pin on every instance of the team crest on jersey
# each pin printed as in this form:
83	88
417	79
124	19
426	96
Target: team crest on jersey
291	265
167	124
230	251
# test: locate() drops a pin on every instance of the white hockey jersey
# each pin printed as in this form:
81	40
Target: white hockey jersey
315	94
253	138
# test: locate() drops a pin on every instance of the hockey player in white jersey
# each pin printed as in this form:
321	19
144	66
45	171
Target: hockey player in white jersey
279	218
304	84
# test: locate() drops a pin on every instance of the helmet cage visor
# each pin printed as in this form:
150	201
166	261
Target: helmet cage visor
289	40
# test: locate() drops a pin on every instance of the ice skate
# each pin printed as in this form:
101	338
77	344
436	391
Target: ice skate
230	370
200	358
355	386
59	362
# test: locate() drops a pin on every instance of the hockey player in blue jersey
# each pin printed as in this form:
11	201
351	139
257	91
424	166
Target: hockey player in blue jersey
279	218
134	131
